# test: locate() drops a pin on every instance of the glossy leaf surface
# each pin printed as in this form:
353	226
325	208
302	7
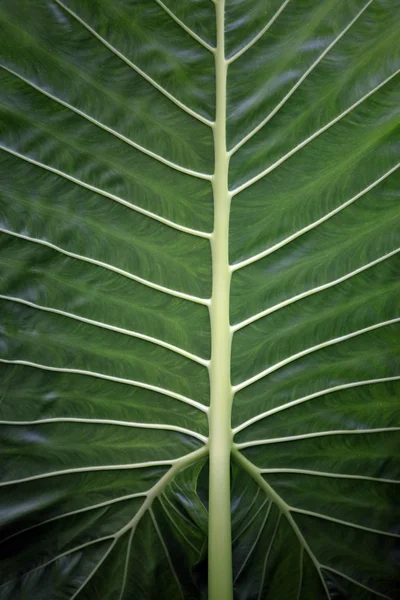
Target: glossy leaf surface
107	186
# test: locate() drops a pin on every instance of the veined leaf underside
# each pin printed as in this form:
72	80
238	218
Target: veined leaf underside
199	282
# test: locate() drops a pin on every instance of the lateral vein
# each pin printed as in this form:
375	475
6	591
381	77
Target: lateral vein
300	81
76	512
312	291
94	570
305	436
290	238
126	563
66	553
331	475
92	469
114	328
301	567
172	520
131	424
248	510
250	552
108	267
330	390
311	513
167	554
183	25
259	35
135	68
362	585
298	355
110	130
132	382
108	195
268	553
312	137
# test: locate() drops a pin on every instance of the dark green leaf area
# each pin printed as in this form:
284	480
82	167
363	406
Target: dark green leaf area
314	66
107	581
184	508
311	583
62	577
53	447
362	407
369	357
116	534
358	502
52	498
247	500
97	228
61	342
52	395
37	546
155	569
367	558
341	588
348	251
260	548
53	280
115	72
337	328
371	454
271	555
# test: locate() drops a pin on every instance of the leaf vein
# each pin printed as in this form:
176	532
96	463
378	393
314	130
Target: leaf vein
92	469
267	555
290	238
331	390
96	190
300	81
332	475
312	291
185	27
312	513
61	555
259	35
169	559
316	434
108	267
102	325
110	130
172	520
135	68
250	552
132	424
76	512
312	137
132	382
315	348
362	585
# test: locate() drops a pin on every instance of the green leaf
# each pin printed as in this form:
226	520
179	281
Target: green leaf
199	299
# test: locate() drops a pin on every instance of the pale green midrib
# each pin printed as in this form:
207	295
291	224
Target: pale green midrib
220	586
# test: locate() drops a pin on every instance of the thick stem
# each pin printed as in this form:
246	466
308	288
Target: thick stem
220	440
